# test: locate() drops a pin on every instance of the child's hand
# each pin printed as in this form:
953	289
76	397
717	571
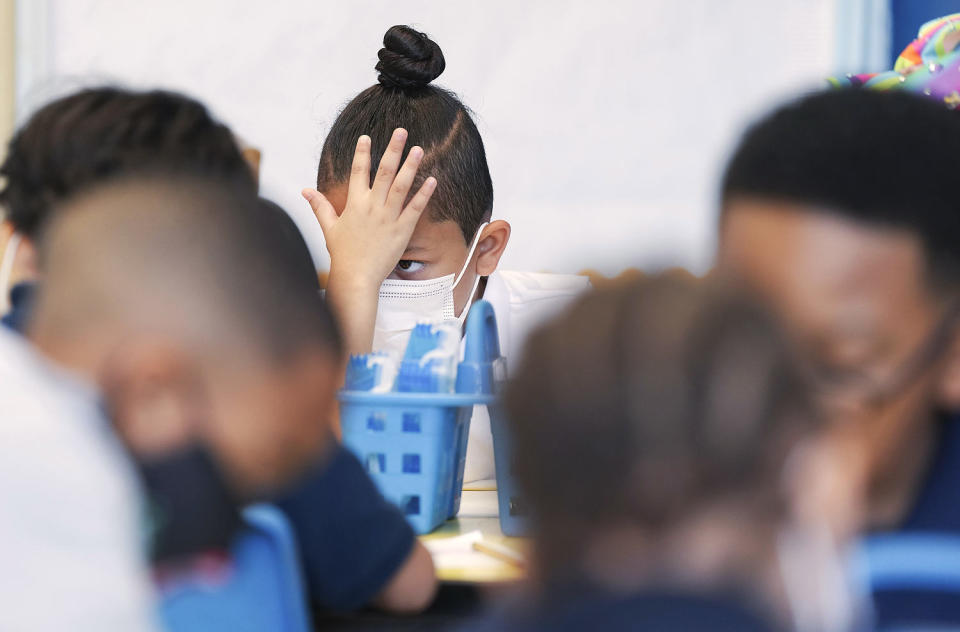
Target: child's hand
369	237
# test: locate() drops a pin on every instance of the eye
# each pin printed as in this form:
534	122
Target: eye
409	266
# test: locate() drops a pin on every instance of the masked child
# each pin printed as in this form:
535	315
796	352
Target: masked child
386	273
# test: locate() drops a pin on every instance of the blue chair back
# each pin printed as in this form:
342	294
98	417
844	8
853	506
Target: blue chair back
914	579
913	561
262	591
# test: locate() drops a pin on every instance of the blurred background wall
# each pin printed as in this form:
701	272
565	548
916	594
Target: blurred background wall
606	123
7	64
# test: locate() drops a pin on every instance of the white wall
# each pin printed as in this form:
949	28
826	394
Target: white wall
606	123
7	56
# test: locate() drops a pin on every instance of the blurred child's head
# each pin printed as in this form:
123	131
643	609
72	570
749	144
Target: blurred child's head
201	323
294	241
97	134
654	422
841	208
437	121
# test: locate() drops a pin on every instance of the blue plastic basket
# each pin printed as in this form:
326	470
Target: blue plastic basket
414	445
513	510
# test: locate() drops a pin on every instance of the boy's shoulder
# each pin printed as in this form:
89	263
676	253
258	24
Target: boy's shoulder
525	287
652	610
351	540
524	300
31	398
52	422
30	383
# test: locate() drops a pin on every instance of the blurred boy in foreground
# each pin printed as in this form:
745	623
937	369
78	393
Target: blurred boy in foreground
841	209
677	468
168	318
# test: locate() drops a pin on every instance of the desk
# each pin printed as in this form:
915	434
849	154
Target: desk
464	586
478	512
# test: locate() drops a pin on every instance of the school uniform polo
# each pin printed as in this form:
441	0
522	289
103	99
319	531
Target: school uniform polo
21	297
653	611
936	509
351	540
521	301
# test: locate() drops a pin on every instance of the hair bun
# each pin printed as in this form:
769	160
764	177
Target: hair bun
409	59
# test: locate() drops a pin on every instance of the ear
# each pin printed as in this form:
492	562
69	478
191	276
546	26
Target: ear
154	398
25	262
949	386
493	241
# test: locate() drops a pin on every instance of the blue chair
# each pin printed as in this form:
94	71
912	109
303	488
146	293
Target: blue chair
913	561
261	592
915	580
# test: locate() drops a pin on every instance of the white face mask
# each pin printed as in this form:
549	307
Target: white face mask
403	304
6	271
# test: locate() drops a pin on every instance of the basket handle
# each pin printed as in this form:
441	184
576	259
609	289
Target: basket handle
482	350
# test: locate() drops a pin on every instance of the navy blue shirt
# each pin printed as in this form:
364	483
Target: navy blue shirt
652	611
21	296
936	509
351	540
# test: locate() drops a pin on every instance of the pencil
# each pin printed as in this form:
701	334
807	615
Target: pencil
500	552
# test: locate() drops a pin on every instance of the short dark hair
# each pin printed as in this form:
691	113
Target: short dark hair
185	254
646	403
294	242
101	133
434	118
881	158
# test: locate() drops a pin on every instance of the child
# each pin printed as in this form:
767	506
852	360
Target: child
356	551
170	321
859	248
675	465
385	274
90	136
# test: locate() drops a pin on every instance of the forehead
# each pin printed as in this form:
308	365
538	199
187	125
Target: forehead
437	237
824	271
429	237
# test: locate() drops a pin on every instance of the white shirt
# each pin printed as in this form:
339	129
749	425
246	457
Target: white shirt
70	544
521	302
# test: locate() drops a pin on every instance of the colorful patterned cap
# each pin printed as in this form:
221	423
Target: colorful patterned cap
929	65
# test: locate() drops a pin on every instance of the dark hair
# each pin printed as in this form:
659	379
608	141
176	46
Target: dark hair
101	133
648	401
196	254
434	118
293	238
882	158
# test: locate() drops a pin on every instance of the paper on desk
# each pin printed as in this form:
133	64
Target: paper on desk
458	552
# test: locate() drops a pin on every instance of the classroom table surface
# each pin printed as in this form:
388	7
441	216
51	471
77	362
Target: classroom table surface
478	512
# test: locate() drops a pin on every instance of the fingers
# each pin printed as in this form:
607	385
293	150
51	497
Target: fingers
389	164
322	208
360	169
404	180
411	214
